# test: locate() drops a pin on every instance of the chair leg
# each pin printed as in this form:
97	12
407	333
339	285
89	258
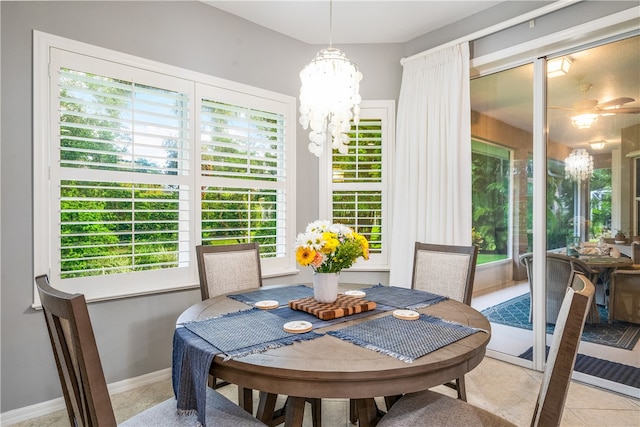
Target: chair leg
462	389
460	386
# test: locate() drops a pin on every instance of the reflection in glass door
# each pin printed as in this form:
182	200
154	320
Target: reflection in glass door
592	191
593	137
502	147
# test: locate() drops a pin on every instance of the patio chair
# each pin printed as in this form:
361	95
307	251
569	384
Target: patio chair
559	268
82	378
428	408
235	268
624	299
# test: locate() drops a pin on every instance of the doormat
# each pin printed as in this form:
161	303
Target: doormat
612	371
515	312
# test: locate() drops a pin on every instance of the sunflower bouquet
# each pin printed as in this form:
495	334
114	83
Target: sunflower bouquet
330	248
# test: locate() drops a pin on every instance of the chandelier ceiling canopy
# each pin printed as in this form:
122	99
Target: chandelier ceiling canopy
329	97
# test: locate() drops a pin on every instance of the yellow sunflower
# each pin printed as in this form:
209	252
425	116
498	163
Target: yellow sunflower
305	255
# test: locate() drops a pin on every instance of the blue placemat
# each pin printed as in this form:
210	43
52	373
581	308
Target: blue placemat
191	360
395	297
405	340
245	332
283	295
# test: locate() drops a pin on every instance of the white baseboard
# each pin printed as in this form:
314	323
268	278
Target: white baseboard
45	408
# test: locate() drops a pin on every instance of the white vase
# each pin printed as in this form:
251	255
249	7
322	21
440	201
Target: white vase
325	286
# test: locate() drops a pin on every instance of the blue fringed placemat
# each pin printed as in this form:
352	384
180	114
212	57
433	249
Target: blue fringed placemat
283	295
245	332
396	297
405	340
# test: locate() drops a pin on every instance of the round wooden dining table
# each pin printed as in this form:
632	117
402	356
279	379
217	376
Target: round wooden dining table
327	367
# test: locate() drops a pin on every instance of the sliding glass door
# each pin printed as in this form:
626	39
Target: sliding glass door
502	147
573	118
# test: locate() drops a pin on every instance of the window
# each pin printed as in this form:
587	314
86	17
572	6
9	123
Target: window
356	184
491	174
141	162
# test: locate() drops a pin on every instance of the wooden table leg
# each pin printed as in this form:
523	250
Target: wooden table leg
266	408
353	411
368	415
294	412
245	399
390	400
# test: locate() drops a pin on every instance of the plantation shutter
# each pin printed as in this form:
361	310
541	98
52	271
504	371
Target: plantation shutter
357	182
243	171
122	203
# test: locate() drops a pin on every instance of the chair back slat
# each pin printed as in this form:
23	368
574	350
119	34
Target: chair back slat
563	351
76	355
228	268
445	270
559	268
635	252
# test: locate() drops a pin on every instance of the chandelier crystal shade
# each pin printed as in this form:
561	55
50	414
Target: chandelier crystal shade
329	99
578	166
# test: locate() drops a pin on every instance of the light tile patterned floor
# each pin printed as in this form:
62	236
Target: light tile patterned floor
497	386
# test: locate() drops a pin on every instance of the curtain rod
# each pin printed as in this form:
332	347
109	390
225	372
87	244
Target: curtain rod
557	5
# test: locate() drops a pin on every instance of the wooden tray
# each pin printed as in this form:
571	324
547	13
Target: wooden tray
344	305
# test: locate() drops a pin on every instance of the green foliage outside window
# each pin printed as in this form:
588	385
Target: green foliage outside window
490	200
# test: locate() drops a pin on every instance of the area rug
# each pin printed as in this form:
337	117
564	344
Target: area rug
612	371
515	312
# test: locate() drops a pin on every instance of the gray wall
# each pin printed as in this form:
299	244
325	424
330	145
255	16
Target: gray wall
134	334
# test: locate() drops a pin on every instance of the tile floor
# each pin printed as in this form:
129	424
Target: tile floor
500	387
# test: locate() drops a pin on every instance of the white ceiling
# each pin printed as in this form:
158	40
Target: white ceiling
354	21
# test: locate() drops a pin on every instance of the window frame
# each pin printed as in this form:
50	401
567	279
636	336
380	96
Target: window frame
45	123
384	110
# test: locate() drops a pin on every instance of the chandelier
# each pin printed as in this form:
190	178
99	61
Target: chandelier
329	97
579	165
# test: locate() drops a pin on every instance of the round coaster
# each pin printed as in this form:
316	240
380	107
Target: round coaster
297	327
267	304
406	314
359	294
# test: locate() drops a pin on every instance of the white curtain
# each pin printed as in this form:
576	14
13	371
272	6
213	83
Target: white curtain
432	174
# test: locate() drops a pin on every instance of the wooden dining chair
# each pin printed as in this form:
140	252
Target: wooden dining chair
82	378
228	268
449	271
445	270
235	268
428	408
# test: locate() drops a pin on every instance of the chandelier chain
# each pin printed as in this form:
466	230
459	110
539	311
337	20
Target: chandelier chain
330	23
